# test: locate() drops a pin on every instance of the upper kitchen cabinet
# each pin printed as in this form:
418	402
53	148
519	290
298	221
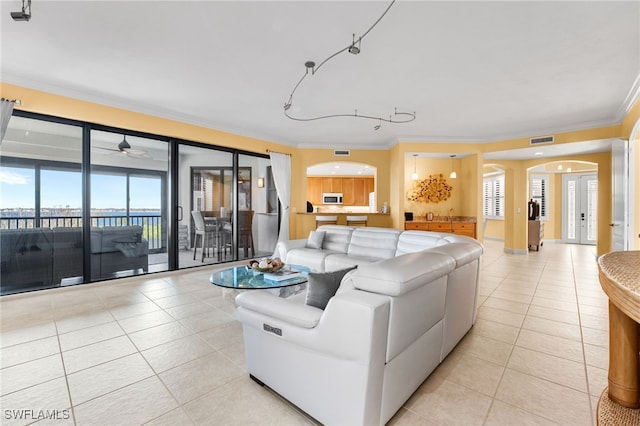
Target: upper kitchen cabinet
355	190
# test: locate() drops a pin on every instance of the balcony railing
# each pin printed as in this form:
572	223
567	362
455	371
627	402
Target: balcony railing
151	224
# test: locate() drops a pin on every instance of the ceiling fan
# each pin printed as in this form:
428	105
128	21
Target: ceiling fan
124	148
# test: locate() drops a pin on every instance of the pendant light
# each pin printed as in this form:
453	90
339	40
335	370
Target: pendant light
453	174
414	176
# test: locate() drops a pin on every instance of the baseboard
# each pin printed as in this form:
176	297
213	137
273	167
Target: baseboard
516	251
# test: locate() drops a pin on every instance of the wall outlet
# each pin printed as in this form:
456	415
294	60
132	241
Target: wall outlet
518	210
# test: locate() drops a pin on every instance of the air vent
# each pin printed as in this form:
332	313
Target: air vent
541	140
341	152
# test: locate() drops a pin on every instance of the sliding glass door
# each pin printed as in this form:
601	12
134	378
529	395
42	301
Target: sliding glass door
258	213
129	206
82	202
40	205
206	206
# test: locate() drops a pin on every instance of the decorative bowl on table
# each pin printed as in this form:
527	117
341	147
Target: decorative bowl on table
266	265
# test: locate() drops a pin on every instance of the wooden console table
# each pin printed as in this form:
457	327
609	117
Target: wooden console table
620	280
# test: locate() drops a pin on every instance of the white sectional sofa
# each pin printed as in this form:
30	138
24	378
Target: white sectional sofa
391	322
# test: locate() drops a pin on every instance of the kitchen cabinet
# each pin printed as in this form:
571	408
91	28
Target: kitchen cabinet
359	198
459	228
348	191
314	190
355	190
331	184
468	229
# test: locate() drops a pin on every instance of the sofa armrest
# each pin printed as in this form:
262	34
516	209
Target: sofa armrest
286	310
283	247
346	329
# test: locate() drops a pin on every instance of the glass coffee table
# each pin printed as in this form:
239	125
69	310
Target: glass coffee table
233	280
245	278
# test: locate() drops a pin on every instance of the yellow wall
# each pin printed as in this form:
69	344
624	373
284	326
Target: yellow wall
495	229
433	167
392	164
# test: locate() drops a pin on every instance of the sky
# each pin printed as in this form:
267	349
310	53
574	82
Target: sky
64	188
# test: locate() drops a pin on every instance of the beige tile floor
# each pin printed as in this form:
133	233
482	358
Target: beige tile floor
166	350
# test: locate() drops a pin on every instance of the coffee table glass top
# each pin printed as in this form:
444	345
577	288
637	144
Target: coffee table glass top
243	277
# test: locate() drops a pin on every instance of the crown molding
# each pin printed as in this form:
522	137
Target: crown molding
631	98
141	108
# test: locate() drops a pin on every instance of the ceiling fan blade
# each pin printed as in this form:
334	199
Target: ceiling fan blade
136	153
106	149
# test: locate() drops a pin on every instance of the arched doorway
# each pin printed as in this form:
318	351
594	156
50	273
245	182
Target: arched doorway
567	194
354	182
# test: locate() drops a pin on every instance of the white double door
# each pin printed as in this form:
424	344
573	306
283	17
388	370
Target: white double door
580	208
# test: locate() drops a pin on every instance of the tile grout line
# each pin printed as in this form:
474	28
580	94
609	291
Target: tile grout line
506	366
64	368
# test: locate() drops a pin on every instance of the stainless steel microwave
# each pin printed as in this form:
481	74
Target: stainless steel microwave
332	198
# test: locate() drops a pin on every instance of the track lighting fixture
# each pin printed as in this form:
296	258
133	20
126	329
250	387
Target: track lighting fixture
354	48
25	13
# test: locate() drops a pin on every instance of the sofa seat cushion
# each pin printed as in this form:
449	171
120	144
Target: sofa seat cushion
311	258
338	261
401	274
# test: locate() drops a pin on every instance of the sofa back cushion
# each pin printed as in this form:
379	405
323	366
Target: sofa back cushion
376	243
107	239
462	252
413	241
399	275
336	237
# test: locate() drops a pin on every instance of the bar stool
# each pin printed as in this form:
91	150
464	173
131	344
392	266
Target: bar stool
326	220
357	220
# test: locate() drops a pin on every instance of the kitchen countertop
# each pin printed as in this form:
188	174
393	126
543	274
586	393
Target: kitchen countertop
445	219
344	213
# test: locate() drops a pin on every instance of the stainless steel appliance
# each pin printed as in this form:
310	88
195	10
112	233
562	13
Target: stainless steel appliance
332	198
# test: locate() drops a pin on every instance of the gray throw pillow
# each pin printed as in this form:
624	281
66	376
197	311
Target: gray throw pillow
315	240
323	286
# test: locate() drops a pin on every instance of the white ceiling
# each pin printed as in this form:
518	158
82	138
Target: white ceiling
472	71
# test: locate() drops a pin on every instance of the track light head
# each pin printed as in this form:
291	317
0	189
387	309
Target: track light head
20	16
24	14
353	49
